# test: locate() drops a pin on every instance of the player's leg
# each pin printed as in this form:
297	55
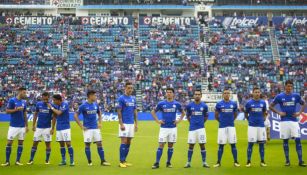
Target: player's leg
222	140
232	139
268	133
101	154
88	153
129	139
252	138
172	138
19	152
122	152
33	151
70	152
203	153
285	135
202	139
261	137
48	151
190	153
295	133
63	152
158	155
8	151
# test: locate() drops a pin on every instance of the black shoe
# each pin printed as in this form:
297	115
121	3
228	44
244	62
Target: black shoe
302	164
169	165
218	164
287	163
155	166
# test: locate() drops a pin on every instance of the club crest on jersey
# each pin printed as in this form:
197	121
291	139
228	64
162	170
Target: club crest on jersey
231	106
201	108
293	99
261	105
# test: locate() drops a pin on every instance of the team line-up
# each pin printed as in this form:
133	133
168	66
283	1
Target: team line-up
50	116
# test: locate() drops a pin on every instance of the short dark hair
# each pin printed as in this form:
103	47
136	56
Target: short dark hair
128	83
256	88
170	89
90	92
22	89
57	97
226	89
197	90
45	94
288	82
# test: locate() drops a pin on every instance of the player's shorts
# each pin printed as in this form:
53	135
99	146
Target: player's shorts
16	132
168	135
227	134
63	135
267	123
42	133
128	132
256	134
198	135
92	135
289	129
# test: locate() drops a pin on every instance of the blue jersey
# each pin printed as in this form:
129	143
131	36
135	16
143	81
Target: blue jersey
63	119
89	112
169	111
288	104
255	110
127	104
197	114
226	112
17	118
44	115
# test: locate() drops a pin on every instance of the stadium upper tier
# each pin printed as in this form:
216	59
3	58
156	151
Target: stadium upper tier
69	55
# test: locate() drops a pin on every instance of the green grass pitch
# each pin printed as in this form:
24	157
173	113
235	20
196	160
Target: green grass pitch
143	150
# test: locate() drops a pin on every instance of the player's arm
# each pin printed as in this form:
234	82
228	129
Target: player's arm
154	115
235	113
273	109
25	115
206	116
76	117
34	121
216	115
188	114
99	119
53	123
120	119
135	119
303	106
11	108
181	117
57	112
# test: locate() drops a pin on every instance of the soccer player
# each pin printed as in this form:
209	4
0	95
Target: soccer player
168	130
63	134
197	114
43	118
17	109
226	113
255	113
289	127
91	131
127	117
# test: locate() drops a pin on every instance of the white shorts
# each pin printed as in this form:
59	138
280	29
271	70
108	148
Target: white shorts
92	135
63	135
18	132
227	134
198	135
267	123
256	134
168	135
289	129
128	132
42	133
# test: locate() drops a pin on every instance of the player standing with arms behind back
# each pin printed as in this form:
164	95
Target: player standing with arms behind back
168	130
225	113
127	117
197	114
17	109
289	127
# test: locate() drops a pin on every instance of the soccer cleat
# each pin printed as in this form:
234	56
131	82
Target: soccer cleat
187	165
205	165
18	163
287	163
263	164
6	164
30	162
248	164
302	164
105	163
122	165
236	164
169	165
127	164
62	163
155	166
218	164
90	164
72	164
47	163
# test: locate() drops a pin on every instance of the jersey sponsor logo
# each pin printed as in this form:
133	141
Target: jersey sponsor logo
227	110
91	112
46	111
256	109
197	113
129	104
291	103
169	110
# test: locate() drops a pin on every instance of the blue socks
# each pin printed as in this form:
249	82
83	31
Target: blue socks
261	151
169	154
71	154
48	151
63	153
159	154
203	155
286	149
122	152
33	151
220	153
190	153
127	150
8	151
234	152
101	153
88	153
19	152
250	150
299	149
